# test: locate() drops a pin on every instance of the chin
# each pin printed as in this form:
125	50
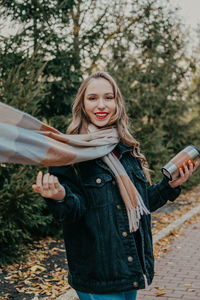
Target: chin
98	124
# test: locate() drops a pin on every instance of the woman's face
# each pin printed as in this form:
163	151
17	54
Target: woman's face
99	102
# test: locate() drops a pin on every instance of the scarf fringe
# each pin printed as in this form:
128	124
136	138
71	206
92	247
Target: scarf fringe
135	213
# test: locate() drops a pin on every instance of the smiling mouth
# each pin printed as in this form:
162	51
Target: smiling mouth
101	115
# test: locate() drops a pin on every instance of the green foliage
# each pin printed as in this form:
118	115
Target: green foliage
149	70
23	213
20	85
193	93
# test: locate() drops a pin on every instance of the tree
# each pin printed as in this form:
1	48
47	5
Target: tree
149	68
193	90
71	36
23	214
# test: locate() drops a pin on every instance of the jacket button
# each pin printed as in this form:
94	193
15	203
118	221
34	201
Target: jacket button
130	259
135	284
118	206
113	182
124	234
98	180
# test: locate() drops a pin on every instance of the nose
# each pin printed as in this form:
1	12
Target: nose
101	103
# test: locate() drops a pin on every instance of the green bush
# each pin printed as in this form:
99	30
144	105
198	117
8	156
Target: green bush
24	214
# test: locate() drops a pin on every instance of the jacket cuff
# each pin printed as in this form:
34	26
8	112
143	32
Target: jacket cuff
68	194
55	201
168	193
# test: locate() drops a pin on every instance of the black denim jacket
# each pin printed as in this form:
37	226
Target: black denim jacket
103	256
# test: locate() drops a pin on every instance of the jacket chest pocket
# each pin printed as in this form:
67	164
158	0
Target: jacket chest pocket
99	190
139	174
134	170
138	178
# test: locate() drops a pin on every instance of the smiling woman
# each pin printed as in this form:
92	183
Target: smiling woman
104	202
99	102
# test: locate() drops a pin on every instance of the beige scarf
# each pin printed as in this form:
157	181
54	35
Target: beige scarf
26	140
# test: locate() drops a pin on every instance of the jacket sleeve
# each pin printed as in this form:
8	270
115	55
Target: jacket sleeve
72	207
160	193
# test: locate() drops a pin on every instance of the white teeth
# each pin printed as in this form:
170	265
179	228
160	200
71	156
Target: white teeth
101	115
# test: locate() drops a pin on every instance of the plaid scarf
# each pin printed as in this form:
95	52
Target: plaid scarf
26	140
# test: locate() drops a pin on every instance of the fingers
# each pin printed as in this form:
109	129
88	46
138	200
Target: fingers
181	172
196	165
35	188
191	166
185	172
47	185
51	184
38	186
39	180
56	182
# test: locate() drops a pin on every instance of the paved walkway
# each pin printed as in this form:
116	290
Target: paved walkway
178	271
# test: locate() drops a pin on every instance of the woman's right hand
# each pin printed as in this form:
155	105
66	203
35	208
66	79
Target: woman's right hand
48	186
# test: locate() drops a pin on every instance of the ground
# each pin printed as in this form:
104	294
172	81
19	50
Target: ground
44	274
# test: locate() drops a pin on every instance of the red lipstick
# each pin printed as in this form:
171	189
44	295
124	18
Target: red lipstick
101	115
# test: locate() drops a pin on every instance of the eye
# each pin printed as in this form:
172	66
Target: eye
109	97
92	98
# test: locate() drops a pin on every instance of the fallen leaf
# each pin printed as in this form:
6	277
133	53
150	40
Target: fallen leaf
187	284
20	290
160	288
158	294
37	267
58	249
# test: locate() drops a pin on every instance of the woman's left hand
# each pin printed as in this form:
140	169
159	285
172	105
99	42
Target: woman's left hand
185	173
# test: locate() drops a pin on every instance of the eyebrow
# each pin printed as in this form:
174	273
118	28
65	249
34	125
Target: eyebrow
92	94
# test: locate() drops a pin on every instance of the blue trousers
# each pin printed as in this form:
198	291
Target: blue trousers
130	295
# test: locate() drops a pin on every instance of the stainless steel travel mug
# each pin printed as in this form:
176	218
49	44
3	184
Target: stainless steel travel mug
189	154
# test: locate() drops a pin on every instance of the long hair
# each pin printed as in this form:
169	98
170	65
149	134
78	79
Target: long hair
120	118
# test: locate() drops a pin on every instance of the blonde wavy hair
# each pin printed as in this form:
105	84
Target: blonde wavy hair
120	119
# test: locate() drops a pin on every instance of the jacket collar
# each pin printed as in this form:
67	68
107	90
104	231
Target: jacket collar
121	148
